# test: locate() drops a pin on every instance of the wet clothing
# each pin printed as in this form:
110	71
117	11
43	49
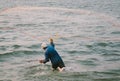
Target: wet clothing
52	54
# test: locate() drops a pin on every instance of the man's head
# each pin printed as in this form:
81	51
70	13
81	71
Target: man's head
43	45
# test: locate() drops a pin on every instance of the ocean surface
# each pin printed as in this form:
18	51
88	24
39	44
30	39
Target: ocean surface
86	34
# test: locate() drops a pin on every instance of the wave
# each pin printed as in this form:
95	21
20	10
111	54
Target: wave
116	32
104	44
20	53
25	25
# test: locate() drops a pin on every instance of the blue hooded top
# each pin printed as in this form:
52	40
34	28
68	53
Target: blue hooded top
52	54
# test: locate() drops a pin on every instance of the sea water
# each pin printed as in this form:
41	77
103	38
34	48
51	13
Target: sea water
86	35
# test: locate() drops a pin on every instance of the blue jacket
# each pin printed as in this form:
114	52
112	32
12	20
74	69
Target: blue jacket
52	54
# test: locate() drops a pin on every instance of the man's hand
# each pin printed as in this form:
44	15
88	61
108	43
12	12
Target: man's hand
51	40
41	61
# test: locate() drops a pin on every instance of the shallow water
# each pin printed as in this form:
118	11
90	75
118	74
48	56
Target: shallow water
88	42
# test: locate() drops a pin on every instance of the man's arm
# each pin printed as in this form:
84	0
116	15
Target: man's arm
46	58
51	42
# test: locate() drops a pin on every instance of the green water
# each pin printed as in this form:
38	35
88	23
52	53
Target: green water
88	41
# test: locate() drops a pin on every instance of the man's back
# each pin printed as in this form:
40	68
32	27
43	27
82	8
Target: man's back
53	55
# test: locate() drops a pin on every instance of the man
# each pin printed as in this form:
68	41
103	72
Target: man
52	54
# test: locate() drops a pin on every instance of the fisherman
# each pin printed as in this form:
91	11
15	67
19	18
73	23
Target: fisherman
52	54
